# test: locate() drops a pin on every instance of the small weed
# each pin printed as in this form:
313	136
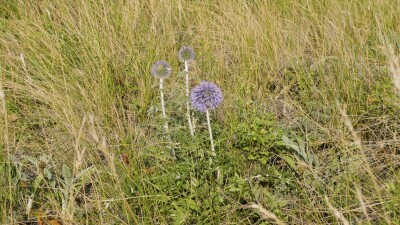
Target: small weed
259	138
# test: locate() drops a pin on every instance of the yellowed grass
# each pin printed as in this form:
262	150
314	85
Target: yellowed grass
64	61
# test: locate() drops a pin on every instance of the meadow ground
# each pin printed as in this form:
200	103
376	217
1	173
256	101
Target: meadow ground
307	133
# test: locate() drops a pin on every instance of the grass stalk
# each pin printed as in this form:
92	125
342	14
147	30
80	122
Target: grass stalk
8	150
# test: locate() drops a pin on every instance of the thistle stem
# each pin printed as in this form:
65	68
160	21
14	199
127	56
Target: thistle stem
211	136
163	105
165	116
187	99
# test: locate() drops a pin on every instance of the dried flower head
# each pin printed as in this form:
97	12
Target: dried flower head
206	96
161	69
186	53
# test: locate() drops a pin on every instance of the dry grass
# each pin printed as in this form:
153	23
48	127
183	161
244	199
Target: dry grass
77	88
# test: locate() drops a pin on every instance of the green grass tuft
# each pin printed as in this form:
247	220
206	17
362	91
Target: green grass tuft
308	132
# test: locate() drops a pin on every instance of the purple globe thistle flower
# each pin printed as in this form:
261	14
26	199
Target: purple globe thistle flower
186	53
206	96
161	69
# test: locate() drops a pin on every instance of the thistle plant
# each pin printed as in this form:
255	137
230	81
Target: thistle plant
185	55
161	70
206	97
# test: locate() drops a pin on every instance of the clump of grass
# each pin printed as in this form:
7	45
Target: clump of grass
60	62
394	68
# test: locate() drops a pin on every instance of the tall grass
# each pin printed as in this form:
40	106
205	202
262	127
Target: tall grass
76	81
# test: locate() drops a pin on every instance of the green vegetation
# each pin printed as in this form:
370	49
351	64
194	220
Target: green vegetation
308	131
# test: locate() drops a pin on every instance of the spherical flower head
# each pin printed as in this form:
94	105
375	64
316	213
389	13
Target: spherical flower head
186	53
161	69
206	96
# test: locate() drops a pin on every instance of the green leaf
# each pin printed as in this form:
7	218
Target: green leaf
290	143
47	173
289	160
181	74
66	172
32	160
193	205
85	173
38	181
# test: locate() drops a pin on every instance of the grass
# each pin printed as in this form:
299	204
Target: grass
308	132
